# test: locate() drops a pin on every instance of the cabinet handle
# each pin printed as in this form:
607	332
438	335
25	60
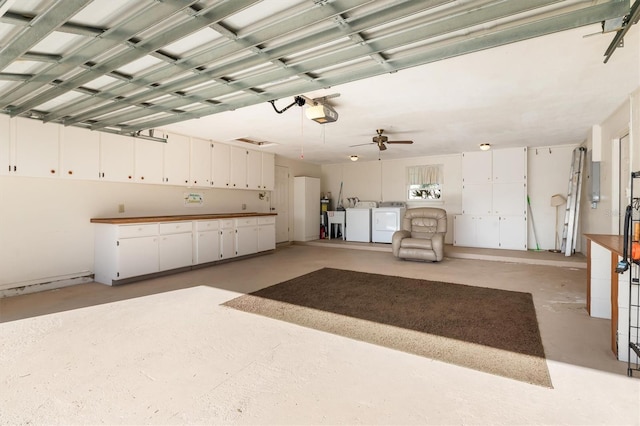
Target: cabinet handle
53	171
142	178
129	176
70	172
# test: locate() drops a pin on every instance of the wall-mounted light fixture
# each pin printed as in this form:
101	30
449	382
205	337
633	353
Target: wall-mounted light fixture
485	146
354	158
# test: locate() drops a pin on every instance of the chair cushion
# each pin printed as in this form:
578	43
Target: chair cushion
423	227
416	243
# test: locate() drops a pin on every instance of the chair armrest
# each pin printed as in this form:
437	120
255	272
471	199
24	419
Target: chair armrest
397	238
437	243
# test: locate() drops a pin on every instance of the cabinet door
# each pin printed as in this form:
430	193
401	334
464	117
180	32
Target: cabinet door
513	232
227	243
464	230
149	159
510	165
509	198
247	240
254	169
476	167
176	160
79	153
477	198
116	157
238	168
207	247
266	237
137	256
175	251
268	171
6	162
488	231
221	168
200	172
36	148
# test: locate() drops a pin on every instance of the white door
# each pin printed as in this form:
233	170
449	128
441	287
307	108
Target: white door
280	203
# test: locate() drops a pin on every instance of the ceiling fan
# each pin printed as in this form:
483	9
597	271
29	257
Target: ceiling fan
381	140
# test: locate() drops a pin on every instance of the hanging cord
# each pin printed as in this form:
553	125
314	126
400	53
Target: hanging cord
297	100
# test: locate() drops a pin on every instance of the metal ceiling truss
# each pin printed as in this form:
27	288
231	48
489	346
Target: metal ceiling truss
248	54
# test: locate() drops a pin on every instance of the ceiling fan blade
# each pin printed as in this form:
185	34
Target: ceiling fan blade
405	142
360	144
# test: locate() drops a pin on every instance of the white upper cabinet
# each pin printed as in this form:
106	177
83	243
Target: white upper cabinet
7	163
238	168
116	157
510	165
476	167
176	159
268	171
221	170
254	169
79	153
37	148
200	172
149	161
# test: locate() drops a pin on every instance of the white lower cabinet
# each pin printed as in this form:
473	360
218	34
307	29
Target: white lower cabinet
505	232
136	256
176	245
266	233
246	236
227	239
126	251
206	241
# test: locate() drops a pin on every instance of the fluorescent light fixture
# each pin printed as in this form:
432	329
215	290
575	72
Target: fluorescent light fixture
485	146
321	114
354	158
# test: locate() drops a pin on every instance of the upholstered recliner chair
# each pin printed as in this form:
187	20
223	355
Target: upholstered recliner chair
421	236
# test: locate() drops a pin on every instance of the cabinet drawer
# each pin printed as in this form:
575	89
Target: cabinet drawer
175	228
266	220
139	230
247	221
226	223
207	225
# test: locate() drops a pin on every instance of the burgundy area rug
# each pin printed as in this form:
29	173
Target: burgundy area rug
494	331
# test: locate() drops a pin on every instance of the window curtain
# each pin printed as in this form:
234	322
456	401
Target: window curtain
421	175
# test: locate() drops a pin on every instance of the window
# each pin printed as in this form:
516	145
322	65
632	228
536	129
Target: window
424	182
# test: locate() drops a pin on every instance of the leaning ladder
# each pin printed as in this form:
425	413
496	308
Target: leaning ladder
572	211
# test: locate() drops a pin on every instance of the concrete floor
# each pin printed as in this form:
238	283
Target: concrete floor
163	351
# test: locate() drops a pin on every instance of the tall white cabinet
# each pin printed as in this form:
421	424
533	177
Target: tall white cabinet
306	208
494	200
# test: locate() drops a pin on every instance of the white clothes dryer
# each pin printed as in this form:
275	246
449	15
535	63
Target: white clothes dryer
358	221
385	220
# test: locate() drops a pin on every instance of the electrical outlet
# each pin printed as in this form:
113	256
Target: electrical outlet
120	208
244	207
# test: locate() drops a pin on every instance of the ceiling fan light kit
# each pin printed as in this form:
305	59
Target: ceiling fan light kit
485	146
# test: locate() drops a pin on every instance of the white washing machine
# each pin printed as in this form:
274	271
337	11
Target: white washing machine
358	221
386	219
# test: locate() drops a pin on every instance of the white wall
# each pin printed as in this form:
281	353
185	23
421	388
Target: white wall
603	219
548	172
384	180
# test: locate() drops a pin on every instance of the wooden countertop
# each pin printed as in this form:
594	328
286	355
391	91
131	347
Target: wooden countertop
174	218
614	243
